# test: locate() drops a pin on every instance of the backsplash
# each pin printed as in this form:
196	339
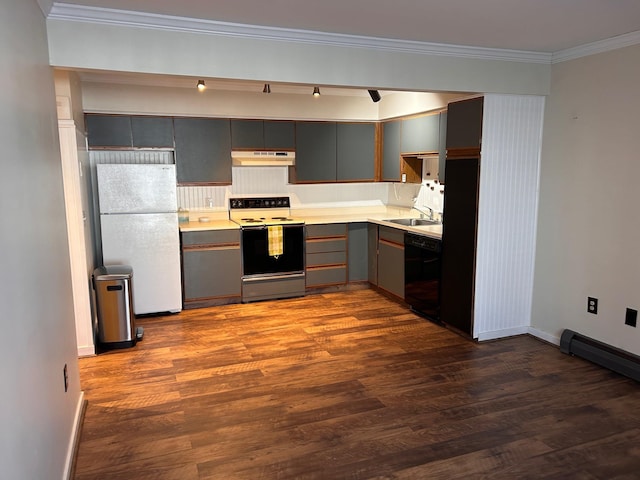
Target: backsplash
274	181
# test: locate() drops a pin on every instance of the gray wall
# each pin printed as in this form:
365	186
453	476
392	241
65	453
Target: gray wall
121	46
38	333
589	223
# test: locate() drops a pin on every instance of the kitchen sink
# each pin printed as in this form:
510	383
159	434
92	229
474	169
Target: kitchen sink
413	222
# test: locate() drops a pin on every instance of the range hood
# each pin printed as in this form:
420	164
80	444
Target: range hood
262	158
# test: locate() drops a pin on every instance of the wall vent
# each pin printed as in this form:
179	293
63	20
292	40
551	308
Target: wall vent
614	359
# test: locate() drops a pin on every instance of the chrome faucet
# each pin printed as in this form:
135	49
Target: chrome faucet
423	213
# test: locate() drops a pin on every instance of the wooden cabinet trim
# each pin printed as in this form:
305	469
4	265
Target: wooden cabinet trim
326	239
218	246
328	266
459	153
391	244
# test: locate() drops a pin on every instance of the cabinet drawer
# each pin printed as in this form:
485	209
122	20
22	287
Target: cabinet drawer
327	258
211	237
321	276
328	245
393	235
327	230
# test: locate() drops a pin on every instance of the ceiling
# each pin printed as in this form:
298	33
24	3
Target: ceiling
531	25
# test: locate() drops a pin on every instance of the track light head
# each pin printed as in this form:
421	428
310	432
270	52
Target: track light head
201	86
267	88
316	91
375	95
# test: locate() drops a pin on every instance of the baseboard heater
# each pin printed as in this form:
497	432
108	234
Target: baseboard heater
614	359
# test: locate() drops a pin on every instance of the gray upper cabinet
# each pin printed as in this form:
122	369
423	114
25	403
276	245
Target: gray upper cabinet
464	123
123	131
279	135
247	134
330	152
203	150
260	134
421	134
442	149
355	152
315	152
108	130
152	132
391	132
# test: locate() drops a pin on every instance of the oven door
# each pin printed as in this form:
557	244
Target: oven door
255	251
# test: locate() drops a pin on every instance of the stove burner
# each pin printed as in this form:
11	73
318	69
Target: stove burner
282	219
252	220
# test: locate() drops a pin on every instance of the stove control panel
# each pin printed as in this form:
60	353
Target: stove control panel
259	202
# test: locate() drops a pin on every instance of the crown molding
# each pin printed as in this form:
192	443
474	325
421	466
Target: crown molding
601	46
127	18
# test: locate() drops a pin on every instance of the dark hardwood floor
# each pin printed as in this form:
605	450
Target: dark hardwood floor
348	386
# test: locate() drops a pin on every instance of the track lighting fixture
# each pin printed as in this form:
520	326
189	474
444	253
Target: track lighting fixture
316	91
201	86
267	88
375	95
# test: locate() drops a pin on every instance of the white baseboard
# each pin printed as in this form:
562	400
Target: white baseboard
75	437
544	336
88	351
507	332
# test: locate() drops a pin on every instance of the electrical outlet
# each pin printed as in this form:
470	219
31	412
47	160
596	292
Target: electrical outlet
592	305
66	378
631	317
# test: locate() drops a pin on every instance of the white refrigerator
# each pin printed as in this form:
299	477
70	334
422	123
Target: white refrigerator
139	227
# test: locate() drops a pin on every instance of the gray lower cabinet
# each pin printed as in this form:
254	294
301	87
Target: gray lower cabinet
203	150
358	252
211	267
391	260
372	254
326	255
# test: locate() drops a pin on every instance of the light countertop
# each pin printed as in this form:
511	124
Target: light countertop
218	220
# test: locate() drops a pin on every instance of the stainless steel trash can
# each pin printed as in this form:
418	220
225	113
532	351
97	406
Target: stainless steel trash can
114	305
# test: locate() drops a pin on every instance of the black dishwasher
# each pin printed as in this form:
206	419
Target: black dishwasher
422	259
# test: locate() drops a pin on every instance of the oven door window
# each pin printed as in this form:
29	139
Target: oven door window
255	251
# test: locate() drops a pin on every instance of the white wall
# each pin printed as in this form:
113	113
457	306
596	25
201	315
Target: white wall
158	100
38	333
589	223
509	174
78	201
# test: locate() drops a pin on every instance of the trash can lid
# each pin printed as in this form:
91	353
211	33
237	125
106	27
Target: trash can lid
113	272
